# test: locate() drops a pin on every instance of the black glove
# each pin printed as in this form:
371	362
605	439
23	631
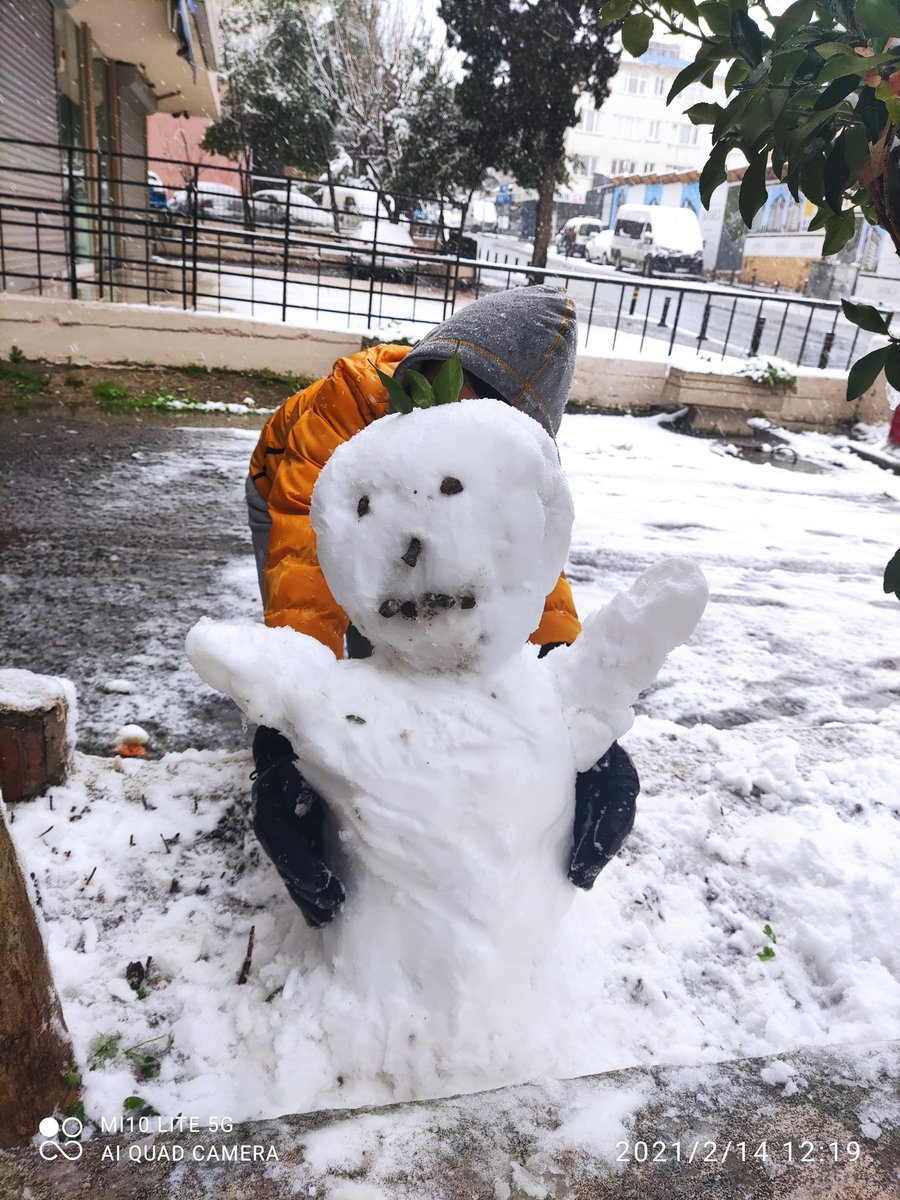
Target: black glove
605	799
287	819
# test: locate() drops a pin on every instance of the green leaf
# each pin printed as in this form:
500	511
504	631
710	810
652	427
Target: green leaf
615	10
71	1078
792	19
737	73
843	64
399	401
752	195
686	9
892	366
785	64
733	112
838	232
865	316
449	380
892	576
768	931
835	176
713	173
688	75
766	953
865	371
133	1102
856	149
807	71
420	389
716	16
877	18
703	114
746	37
837	90
636	34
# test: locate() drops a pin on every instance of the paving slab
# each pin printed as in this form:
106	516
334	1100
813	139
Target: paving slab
818	1124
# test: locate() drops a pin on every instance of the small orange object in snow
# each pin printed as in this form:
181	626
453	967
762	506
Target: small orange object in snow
131	742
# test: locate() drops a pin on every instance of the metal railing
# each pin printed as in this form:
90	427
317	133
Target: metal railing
80	224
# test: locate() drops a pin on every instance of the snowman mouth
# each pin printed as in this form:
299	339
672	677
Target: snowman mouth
425	606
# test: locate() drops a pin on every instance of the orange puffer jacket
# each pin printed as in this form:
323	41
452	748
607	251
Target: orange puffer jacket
294	445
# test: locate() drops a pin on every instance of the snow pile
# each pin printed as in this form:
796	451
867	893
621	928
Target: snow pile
770	797
449	758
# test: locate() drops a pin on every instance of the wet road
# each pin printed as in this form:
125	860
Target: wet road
116	534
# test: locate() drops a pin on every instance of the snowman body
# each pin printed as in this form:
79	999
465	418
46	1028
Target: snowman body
448	759
455	877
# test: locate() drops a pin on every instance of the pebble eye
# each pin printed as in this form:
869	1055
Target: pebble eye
363	507
451	486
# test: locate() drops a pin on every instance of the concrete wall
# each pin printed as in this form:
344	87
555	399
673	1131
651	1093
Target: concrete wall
97	333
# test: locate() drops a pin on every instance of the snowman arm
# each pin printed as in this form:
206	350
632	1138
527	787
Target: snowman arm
620	651
277	677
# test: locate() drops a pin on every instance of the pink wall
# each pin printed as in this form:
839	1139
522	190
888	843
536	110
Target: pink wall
172	141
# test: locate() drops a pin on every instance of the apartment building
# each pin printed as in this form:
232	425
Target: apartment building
635	132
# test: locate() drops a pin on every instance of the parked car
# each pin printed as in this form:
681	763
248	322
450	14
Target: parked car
269	208
388	235
215	201
653	237
599	247
157	197
582	228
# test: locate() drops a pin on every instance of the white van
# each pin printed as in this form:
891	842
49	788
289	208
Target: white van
582	230
655	237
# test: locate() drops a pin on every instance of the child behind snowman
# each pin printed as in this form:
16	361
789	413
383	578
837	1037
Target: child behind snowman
518	346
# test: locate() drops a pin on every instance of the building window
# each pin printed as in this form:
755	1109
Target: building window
686	135
629	127
634	85
660	85
623	166
649	168
653	131
588	120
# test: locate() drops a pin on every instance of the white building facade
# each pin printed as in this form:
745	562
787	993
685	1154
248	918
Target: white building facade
635	132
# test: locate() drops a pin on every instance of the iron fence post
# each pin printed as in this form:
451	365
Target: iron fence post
758	330
194	234
70	190
285	250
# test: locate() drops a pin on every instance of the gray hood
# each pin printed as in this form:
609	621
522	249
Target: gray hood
520	342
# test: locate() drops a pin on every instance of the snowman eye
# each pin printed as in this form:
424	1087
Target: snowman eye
451	486
363	507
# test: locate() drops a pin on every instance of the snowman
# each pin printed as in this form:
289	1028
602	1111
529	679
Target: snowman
448	759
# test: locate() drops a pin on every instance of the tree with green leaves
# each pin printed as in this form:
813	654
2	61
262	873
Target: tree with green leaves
526	63
814	93
445	153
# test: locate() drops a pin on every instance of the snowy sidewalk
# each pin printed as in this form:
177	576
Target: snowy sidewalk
807	1126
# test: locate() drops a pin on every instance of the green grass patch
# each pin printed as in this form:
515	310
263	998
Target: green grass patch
25	379
109	390
161	401
195	371
73	380
293	383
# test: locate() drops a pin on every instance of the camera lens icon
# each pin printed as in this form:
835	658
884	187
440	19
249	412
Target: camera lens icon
71	1129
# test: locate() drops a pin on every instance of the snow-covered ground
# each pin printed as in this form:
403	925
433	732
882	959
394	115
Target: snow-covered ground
768	751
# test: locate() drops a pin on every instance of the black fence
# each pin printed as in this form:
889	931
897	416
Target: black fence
99	226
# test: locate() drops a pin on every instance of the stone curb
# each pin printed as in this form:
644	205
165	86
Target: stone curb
580	1139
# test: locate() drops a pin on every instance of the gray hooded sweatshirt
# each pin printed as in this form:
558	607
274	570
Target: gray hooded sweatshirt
521	343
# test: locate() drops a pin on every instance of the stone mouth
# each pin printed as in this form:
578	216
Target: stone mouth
425	606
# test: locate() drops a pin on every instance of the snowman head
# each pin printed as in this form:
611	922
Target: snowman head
441	532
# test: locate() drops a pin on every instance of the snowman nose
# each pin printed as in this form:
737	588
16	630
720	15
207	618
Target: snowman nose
413	550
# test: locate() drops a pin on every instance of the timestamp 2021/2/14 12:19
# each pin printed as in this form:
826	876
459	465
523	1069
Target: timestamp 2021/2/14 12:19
802	1152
